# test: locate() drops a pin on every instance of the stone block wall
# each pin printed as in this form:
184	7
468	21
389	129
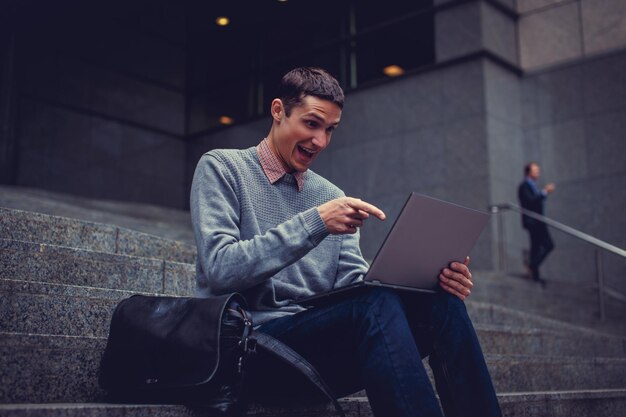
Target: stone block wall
506	155
564	109
556	31
574	122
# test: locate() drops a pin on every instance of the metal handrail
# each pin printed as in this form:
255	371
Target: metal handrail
560	226
599	244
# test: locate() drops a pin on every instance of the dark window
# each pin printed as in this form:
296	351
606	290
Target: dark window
235	69
407	43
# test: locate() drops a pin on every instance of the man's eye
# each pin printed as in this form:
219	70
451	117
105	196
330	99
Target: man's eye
311	123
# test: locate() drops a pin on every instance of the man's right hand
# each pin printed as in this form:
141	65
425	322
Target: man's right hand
345	214
549	187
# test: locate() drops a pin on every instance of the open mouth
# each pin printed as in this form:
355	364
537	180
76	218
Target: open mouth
306	153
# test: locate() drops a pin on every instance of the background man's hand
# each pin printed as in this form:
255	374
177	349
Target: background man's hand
549	187
457	279
344	215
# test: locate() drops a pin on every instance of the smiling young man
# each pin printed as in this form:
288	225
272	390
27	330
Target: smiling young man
302	132
269	227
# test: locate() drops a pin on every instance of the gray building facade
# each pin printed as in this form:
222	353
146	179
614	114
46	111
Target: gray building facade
510	81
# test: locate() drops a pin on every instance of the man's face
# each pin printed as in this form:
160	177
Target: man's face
297	139
534	172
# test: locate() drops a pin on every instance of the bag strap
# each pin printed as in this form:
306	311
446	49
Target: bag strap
295	360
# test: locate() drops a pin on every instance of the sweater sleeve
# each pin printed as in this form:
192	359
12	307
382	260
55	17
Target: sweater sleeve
351	266
228	263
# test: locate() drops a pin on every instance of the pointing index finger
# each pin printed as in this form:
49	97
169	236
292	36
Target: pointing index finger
367	207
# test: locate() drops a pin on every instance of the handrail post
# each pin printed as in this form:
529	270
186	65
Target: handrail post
600	277
501	243
499	237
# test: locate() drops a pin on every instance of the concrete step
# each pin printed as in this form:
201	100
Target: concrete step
50	263
573	302
66	310
55	264
353	408
45	368
47	308
511	340
583	403
61	231
492	313
522	373
169	223
495	315
42	368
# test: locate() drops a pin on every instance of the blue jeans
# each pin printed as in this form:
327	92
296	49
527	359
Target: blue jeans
374	339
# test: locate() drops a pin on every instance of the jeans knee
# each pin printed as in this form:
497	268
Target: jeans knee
448	307
380	301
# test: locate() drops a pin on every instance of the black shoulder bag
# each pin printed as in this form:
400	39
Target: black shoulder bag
190	351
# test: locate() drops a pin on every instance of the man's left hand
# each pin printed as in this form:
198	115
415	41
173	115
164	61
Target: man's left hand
457	279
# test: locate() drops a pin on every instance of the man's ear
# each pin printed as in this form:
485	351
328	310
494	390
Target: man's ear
277	109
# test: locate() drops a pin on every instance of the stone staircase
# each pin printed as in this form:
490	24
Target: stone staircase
571	302
60	279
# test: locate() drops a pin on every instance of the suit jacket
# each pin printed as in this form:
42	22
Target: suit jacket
530	200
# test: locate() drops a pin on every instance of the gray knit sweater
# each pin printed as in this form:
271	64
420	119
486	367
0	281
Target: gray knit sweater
266	240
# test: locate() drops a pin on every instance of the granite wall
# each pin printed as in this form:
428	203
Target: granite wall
574	122
556	31
506	157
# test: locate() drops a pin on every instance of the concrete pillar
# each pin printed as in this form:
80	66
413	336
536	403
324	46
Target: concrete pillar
468	27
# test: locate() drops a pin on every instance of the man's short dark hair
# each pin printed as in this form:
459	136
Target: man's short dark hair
309	81
528	167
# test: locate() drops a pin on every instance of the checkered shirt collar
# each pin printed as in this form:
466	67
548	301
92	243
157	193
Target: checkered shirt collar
273	168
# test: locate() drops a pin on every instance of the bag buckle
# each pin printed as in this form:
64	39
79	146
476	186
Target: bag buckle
249	349
249	345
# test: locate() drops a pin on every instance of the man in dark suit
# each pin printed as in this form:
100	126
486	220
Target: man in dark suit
531	198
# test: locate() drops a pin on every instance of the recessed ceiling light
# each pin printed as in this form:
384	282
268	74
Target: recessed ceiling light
222	21
225	120
393	70
282	1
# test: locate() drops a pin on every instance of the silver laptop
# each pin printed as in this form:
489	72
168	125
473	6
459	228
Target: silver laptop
426	236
